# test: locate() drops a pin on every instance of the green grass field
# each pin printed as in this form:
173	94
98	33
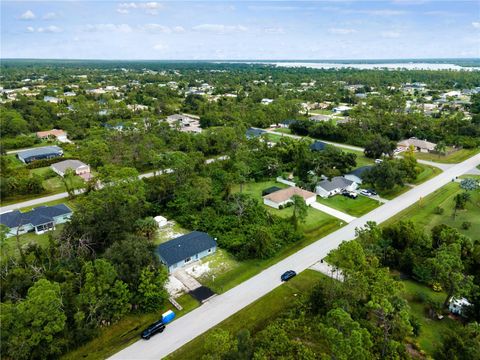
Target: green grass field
283	130
355	207
453	158
422	212
257	315
362	160
112	339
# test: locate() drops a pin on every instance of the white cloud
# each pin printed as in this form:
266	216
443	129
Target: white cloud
219	28
50	16
155	28
30	29
274	30
385	12
49	29
28	15
476	24
338	31
121	28
178	29
151	8
390	34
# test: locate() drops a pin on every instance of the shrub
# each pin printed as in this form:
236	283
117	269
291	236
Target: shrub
280	207
416	325
438	210
466	225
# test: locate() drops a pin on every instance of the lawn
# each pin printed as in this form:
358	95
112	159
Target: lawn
354	207
453	158
273	137
114	338
362	160
283	130
422	212
320	112
257	315
431	330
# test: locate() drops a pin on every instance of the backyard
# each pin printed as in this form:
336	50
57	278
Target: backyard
453	158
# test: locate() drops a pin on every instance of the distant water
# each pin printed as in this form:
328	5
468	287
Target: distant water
376	65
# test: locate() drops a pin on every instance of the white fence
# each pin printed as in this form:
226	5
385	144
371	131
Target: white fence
286	182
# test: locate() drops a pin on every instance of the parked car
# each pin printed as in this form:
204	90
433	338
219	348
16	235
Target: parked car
287	275
373	192
156	327
365	192
349	194
378	161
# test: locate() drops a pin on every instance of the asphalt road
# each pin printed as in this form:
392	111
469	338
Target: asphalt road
219	308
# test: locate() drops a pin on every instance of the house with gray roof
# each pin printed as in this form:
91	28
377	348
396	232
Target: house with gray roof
318	146
45	152
185	249
40	219
356	174
254	132
336	185
79	168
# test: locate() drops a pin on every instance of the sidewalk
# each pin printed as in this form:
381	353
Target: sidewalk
338	214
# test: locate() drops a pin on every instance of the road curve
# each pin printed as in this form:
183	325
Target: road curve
219	308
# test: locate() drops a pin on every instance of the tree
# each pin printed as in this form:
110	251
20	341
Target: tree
31	328
460	200
147	227
103	298
68	181
378	146
385	175
300	210
447	269
460	344
440	148
218	343
151	292
12	123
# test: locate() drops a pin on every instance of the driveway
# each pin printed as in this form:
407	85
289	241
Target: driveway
219	308
338	214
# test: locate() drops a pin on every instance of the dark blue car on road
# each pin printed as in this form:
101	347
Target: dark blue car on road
287	275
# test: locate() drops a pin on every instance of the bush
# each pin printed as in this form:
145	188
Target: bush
280	207
416	325
438	210
466	225
45	162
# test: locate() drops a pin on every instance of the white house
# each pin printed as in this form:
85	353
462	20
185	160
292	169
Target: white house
266	101
284	196
418	145
456	306
341	109
161	221
327	188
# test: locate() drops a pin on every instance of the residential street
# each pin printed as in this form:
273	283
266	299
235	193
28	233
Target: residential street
222	306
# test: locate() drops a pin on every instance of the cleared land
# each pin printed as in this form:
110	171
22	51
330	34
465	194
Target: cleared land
354	207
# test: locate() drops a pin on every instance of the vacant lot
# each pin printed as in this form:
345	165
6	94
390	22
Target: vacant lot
423	212
257	315
355	207
455	157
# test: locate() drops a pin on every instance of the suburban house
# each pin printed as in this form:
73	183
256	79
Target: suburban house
287	123
80	169
46	152
327	188
284	196
457	306
356	175
418	145
60	135
270	190
318	146
253	133
185	249
341	109
40	219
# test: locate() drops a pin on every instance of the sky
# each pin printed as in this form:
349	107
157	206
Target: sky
223	30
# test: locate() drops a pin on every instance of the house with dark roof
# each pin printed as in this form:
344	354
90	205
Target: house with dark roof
46	152
356	175
185	249
287	123
336	185
270	190
318	146
40	219
254	132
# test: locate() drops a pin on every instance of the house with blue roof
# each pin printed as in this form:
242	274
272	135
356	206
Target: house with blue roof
185	249
254	132
318	146
40	219
45	152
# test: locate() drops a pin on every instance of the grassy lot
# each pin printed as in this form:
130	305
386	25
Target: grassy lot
431	329
257	315
362	160
273	137
283	130
422	212
455	157
320	112
118	336
355	207
427	172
